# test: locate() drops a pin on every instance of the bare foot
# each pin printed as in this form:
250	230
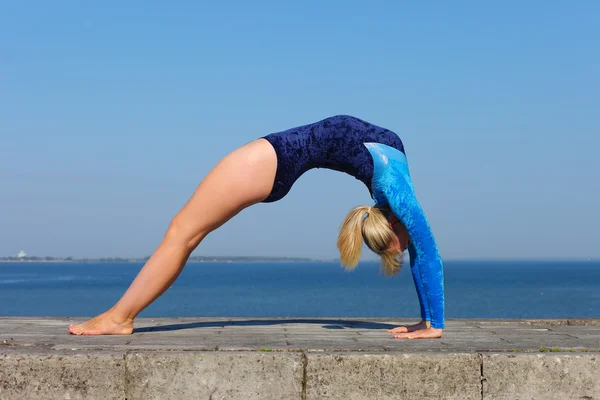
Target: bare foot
410	328
427	333
103	324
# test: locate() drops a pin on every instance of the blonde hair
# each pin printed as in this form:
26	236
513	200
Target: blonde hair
371	225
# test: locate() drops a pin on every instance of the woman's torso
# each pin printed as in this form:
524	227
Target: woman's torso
335	143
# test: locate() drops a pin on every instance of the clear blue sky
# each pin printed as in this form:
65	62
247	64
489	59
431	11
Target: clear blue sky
111	113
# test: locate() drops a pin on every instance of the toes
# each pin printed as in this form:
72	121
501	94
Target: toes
75	329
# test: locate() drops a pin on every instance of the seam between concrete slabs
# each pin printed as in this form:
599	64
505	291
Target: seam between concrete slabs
304	375
481	376
127	377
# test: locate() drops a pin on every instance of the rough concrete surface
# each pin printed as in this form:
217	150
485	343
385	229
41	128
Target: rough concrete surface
543	376
33	374
215	375
221	358
392	376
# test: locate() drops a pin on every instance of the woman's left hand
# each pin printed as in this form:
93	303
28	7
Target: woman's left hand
427	333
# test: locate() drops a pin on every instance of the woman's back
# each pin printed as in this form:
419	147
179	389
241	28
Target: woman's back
335	143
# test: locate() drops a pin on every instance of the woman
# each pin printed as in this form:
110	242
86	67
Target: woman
264	171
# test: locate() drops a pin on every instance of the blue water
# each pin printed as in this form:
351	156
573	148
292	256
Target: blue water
473	290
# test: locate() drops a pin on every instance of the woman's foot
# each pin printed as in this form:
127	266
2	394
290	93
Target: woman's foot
410	328
427	333
422	330
104	324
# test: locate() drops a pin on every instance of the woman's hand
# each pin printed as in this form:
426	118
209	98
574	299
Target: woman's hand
410	328
427	333
422	330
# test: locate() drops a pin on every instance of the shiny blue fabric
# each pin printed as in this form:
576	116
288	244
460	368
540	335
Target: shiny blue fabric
392	186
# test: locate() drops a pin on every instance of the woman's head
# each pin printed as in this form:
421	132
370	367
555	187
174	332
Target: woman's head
381	232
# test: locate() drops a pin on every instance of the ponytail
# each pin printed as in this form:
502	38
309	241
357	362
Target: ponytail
350	238
371	225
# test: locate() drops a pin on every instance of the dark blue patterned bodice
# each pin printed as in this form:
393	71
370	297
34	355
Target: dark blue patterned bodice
335	143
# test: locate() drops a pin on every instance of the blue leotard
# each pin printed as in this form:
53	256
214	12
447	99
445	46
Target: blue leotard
376	157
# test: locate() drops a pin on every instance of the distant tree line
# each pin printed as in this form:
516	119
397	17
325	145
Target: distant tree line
247	258
34	258
193	258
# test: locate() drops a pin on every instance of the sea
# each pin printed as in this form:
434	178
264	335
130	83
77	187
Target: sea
473	289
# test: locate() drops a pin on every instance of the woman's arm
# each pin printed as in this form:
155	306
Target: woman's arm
392	186
425	322
416	273
396	186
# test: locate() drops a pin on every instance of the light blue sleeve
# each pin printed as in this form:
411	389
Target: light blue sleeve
392	186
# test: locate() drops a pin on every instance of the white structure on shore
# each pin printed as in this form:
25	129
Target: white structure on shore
21	254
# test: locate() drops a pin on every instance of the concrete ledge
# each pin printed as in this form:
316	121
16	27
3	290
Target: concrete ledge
393	376
214	375
299	359
36	375
543	376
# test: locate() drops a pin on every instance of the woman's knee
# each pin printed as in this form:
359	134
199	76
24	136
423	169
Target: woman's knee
181	234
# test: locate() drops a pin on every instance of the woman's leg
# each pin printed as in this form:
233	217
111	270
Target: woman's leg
242	178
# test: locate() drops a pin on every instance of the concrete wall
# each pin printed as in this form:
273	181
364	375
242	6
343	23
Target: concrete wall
45	374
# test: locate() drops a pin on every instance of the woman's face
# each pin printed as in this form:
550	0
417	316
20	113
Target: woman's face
402	239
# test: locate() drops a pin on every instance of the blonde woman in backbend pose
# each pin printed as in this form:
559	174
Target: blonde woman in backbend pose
264	171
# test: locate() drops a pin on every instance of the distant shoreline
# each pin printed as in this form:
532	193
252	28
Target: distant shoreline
142	260
199	260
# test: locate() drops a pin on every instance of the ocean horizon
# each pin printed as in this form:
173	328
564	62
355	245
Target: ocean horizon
474	289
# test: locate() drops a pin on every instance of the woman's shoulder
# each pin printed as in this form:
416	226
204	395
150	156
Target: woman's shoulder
391	176
383	153
386	160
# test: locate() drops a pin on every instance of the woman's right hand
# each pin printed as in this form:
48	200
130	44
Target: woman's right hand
410	328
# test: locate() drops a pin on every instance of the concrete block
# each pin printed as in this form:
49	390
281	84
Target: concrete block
541	376
61	375
214	375
393	376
